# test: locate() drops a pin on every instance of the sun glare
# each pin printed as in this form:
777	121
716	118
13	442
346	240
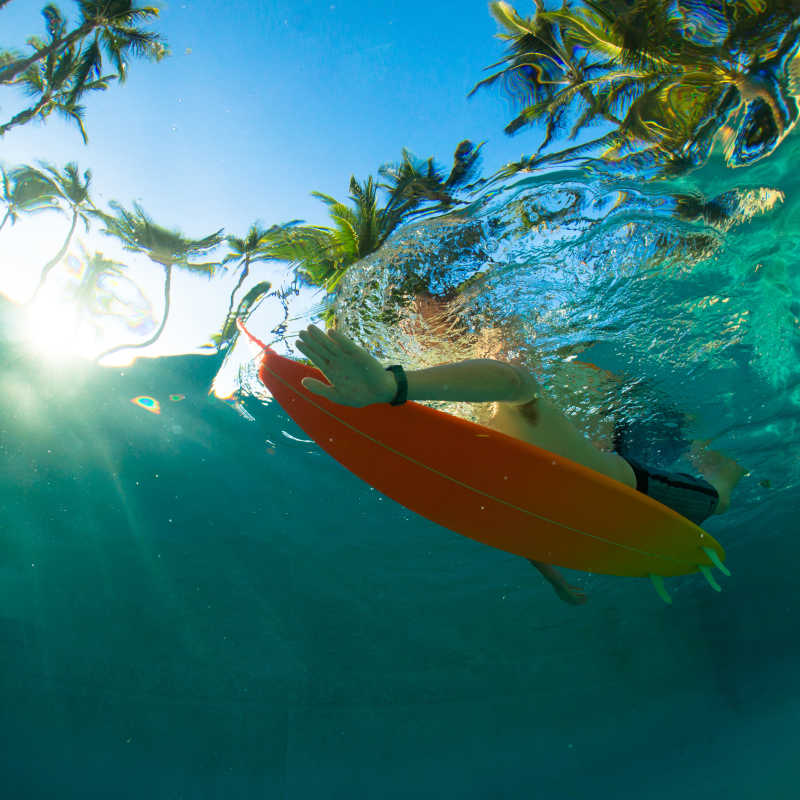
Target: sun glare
49	328
26	247
49	324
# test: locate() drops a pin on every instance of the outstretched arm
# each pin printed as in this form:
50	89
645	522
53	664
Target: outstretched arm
358	379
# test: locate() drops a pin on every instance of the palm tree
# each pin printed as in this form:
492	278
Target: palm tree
93	269
167	248
645	70
112	26
25	192
414	183
252	248
543	66
58	80
90	297
322	255
229	331
74	193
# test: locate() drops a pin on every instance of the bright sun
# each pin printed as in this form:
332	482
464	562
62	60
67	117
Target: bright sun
24	249
49	324
49	327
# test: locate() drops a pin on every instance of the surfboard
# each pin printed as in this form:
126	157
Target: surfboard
494	488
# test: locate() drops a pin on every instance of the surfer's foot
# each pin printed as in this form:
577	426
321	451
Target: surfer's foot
721	472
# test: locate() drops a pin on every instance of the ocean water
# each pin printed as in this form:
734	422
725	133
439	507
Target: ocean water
200	603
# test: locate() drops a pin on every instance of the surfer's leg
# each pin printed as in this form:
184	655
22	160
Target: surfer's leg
692	497
541	423
721	472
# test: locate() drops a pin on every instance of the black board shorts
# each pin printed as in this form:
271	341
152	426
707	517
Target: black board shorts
694	498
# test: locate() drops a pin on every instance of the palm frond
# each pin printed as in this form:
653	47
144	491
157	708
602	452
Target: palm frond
90	60
466	165
54	21
137	232
74	113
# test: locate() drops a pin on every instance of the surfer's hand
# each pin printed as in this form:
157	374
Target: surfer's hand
355	377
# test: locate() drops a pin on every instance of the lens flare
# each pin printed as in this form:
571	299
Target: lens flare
147	403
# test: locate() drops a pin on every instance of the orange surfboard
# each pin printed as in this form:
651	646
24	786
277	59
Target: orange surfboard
494	488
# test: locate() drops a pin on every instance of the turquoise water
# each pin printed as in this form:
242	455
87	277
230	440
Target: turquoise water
195	604
199	603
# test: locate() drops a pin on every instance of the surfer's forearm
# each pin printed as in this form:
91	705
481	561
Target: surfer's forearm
478	380
357	378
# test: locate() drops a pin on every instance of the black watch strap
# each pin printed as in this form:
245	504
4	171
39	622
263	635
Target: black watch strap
402	385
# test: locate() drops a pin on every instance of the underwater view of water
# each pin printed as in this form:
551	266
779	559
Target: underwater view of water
196	601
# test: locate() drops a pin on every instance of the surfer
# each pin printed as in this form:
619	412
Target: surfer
357	379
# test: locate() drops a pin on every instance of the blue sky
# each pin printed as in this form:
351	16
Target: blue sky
258	105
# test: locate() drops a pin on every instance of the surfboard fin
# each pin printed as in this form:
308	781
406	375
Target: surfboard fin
715	560
710	578
658	584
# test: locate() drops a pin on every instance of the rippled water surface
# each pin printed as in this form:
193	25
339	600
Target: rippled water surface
682	291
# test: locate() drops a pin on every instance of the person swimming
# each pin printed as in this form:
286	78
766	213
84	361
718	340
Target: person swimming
357	379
